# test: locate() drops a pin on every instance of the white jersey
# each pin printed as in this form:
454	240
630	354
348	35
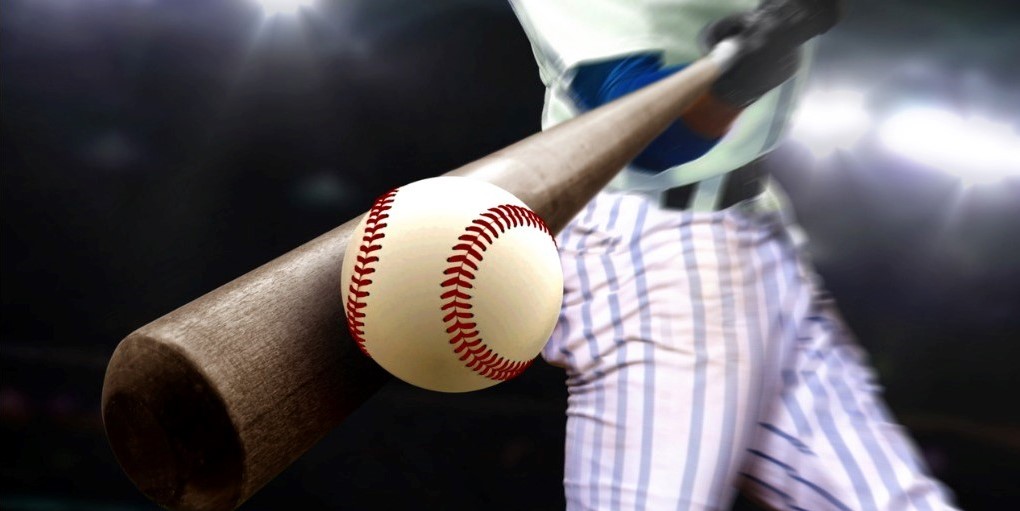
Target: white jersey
566	33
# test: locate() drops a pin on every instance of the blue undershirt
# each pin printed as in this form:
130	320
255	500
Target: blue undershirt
599	83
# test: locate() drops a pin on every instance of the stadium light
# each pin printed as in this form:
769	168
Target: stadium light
975	149
830	120
273	7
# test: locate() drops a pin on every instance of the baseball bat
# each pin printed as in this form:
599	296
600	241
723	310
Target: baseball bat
208	403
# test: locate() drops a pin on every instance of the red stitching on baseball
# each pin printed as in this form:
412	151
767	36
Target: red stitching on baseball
477	237
356	292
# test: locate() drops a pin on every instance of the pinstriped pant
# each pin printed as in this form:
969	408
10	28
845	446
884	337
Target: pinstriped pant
701	356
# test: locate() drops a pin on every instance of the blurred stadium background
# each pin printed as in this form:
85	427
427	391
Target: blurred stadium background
155	149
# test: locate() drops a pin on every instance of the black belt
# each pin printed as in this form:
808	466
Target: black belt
738	185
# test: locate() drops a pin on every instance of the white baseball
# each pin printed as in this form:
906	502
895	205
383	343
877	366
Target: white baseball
451	284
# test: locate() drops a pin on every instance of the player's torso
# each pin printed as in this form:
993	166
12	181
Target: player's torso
565	33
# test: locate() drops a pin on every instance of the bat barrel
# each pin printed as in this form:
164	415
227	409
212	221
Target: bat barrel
208	403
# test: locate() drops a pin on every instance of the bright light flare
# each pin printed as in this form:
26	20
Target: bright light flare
830	120
975	149
274	7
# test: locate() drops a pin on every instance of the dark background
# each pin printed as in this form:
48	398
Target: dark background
155	149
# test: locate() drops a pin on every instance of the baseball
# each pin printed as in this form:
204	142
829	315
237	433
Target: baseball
451	284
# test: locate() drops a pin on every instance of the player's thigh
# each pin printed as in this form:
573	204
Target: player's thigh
827	441
654	433
663	389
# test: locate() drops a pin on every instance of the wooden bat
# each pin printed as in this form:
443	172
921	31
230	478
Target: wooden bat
207	404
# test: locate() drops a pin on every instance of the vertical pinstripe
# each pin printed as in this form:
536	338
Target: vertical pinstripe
700	359
581	443
644	314
620	341
589	335
721	479
749	381
752	314
771	294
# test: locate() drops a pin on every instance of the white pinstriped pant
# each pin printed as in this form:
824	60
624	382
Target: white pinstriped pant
702	357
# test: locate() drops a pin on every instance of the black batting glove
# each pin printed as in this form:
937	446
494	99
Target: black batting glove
769	38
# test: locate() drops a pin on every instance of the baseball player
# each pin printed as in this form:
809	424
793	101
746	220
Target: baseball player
701	354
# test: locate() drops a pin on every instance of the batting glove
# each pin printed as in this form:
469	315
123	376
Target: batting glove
769	38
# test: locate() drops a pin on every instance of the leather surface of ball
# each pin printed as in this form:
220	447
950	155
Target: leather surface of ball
451	284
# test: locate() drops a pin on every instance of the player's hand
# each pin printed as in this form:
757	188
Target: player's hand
769	39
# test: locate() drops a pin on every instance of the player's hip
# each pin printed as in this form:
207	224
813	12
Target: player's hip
640	235
639	278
